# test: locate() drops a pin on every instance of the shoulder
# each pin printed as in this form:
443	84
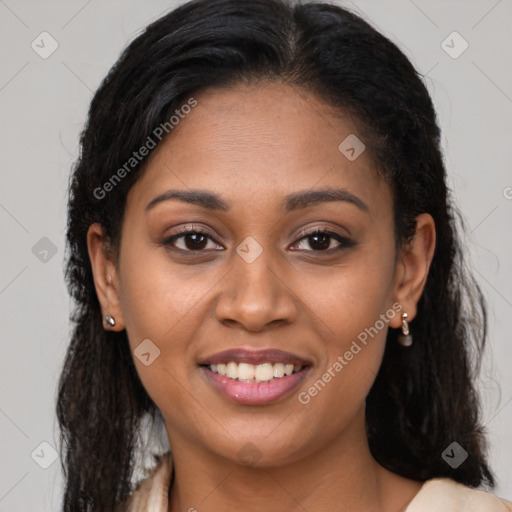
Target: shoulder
152	492
449	496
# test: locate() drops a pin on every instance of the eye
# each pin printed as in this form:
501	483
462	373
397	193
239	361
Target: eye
320	240
191	239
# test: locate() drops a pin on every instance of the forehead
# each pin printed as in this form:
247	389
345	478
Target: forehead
259	143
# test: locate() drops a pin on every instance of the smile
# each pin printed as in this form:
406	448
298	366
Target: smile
254	377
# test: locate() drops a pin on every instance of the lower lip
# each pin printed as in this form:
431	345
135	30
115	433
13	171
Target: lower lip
255	393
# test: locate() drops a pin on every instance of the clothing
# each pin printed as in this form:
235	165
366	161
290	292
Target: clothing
436	495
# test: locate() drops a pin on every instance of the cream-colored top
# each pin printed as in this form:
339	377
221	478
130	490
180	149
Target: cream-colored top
436	495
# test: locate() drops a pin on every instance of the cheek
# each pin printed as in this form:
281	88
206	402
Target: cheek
156	295
355	344
350	297
165	304
354	327
354	308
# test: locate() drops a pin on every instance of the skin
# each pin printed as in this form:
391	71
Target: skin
253	145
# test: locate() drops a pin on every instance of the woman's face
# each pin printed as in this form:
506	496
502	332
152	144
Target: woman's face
264	157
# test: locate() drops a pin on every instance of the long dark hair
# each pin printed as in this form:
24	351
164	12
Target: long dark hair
423	398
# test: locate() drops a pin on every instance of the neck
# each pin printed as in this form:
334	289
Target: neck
342	475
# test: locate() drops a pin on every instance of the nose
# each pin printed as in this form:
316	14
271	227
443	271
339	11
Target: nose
255	295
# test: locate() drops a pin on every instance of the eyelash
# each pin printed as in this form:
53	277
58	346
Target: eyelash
344	242
193	230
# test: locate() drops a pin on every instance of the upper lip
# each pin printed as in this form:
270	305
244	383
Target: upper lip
244	355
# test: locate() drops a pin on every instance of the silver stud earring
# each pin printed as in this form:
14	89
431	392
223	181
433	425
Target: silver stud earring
109	320
405	339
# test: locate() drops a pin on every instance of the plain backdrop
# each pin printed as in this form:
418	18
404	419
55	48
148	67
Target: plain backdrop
43	105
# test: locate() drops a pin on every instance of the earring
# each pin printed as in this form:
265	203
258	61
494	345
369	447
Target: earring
109	320
405	339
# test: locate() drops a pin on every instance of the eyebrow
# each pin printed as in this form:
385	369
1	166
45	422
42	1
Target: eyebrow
295	201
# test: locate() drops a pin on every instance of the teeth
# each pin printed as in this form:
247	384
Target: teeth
279	370
232	370
245	372
264	372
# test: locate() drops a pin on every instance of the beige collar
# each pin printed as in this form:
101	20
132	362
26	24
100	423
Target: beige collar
446	495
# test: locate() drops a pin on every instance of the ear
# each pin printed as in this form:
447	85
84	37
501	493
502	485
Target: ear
105	277
413	267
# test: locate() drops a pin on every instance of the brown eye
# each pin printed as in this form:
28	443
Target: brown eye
320	240
190	240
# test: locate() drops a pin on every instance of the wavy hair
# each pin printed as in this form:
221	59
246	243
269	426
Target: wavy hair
424	396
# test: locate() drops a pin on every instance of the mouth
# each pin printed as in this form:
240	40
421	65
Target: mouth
255	377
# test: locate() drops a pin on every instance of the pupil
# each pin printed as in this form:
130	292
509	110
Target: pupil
196	244
324	241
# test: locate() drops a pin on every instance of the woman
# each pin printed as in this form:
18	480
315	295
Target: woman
266	265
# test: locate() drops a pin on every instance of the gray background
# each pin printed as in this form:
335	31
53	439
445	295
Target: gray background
43	105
